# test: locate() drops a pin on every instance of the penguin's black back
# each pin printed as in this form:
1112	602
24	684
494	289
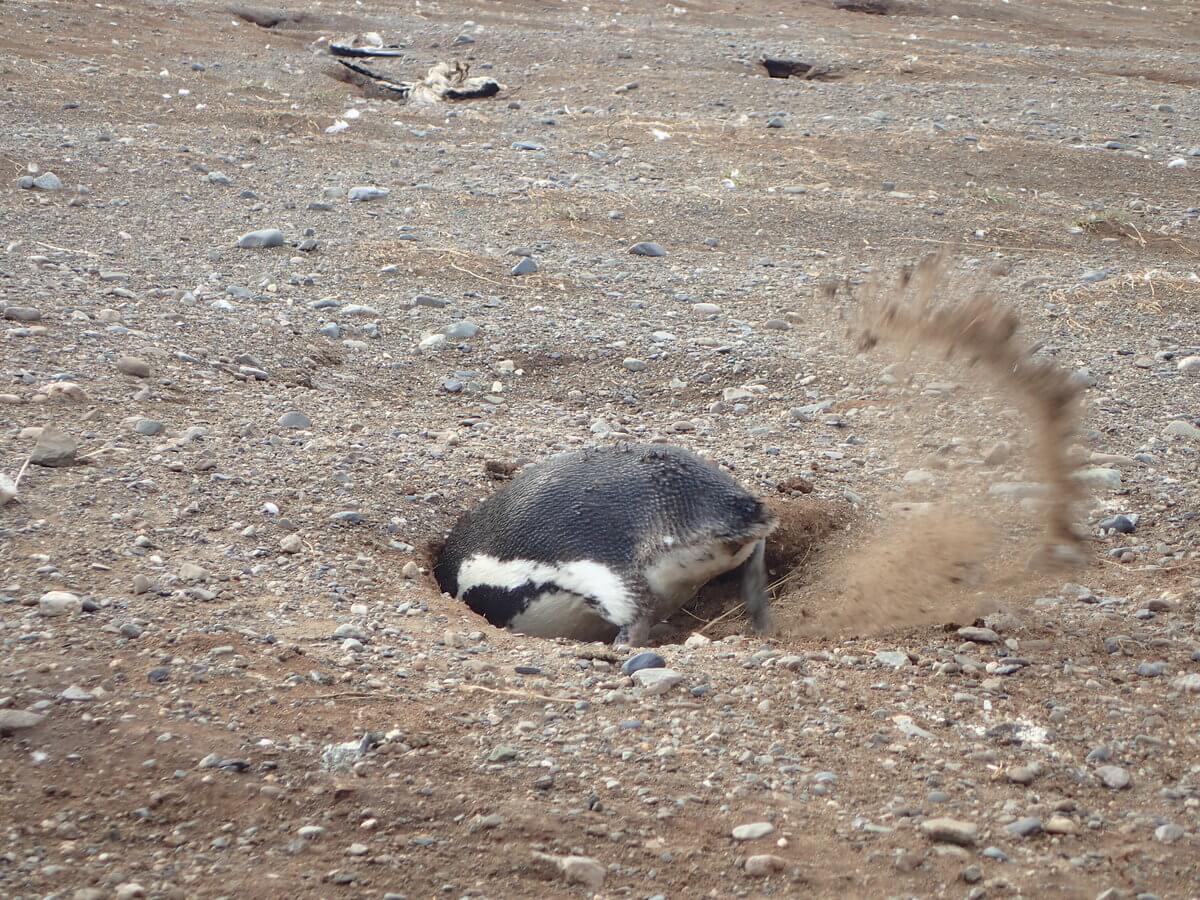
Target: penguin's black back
614	505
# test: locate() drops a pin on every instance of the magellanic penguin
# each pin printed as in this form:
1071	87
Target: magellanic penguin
602	543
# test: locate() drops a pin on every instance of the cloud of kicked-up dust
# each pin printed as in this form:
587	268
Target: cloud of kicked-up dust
936	563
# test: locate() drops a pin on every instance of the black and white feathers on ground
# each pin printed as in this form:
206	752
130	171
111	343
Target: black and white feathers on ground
602	543
446	81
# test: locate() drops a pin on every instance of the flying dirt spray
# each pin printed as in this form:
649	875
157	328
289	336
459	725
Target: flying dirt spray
916	571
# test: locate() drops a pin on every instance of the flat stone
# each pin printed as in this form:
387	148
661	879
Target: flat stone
59	603
349	630
294	419
461	331
14	720
192	572
633	364
978	635
1183	429
892	659
526	266
22	314
363	193
76	694
950	831
503	753
54	449
753	831
647	248
1100	478
261	239
1025	827
656	681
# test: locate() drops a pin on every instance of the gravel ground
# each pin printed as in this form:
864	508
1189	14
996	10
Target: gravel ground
225	669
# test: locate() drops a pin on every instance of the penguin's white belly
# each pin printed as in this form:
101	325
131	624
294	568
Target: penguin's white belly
562	614
676	575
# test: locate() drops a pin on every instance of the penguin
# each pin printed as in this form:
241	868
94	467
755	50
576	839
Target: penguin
600	544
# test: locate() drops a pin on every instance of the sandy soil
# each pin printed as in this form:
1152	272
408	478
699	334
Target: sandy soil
248	685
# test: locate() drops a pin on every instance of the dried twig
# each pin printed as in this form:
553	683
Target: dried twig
725	615
524	695
475	275
24	466
68	250
351	695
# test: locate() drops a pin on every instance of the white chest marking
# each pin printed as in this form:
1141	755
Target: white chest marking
584	577
562	614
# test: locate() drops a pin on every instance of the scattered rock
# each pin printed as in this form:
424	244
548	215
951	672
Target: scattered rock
48	181
59	603
503	753
294	419
1180	428
1026	827
262	239
1169	833
1060	825
765	864
364	193
753	831
132	365
1100	478
979	635
1118	524
54	449
647	248
14	720
892	659
1114	777
646	660
576	869
1188	684
950	831
656	681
